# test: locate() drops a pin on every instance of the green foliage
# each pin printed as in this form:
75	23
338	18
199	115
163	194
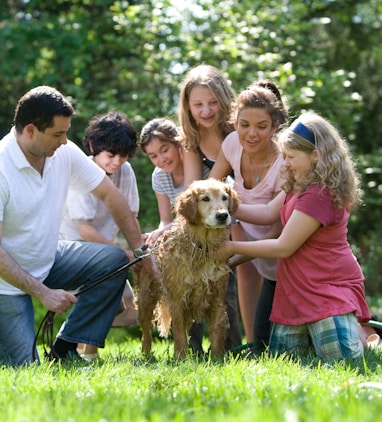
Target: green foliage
130	55
366	226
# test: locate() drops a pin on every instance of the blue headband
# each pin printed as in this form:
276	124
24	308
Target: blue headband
300	129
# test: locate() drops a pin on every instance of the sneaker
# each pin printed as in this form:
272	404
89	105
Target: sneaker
373	341
89	357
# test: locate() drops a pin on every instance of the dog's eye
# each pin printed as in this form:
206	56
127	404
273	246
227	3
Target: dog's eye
224	198
206	198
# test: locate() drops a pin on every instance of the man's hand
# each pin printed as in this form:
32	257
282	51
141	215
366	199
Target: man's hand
58	301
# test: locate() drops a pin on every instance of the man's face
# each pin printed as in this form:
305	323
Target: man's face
44	144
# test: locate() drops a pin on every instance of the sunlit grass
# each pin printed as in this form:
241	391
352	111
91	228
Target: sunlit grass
126	387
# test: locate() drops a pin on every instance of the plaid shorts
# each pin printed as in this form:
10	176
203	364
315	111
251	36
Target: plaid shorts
333	337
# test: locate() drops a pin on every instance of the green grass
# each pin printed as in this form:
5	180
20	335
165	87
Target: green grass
126	387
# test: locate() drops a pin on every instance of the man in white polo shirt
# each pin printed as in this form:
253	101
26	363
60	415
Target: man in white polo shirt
37	165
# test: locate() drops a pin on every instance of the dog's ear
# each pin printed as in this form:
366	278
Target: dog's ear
233	199
187	205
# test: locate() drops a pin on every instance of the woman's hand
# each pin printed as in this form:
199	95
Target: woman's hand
237	259
151	238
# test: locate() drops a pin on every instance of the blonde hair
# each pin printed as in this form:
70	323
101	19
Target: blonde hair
333	168
210	77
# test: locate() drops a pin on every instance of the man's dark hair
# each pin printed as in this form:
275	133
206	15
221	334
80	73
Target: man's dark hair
39	106
111	132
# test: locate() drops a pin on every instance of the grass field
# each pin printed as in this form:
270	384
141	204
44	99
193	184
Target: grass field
124	386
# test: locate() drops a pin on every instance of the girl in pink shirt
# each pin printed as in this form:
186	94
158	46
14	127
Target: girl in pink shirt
252	154
319	297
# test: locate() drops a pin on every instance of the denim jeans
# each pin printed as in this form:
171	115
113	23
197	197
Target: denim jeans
90	319
16	329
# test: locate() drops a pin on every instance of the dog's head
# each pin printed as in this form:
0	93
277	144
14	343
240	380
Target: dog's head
208	202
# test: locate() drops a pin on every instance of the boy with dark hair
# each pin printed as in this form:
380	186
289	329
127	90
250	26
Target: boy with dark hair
111	140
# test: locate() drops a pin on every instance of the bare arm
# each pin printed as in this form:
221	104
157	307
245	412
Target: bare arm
261	213
165	210
298	229
166	217
222	168
57	301
192	165
118	207
90	234
273	233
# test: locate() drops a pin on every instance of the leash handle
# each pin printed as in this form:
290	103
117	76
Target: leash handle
46	325
46	328
138	253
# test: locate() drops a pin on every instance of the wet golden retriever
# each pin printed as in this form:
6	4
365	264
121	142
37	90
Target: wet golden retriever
193	283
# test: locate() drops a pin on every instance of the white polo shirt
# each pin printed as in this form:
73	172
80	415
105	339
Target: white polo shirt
31	205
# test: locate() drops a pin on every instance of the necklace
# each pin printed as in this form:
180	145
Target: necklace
260	170
263	167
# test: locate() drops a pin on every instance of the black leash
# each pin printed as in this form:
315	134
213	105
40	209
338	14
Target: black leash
46	326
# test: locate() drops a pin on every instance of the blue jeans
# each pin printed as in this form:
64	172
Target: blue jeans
90	319
16	329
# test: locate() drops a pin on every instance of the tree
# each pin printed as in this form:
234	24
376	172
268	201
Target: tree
130	55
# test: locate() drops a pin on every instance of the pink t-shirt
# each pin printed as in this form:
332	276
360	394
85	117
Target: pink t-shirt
262	193
322	278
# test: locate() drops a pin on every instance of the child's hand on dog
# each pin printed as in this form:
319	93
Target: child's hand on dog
224	252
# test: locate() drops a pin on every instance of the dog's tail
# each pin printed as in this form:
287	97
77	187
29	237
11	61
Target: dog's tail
163	317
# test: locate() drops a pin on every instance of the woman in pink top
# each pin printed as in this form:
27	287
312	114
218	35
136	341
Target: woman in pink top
319	297
252	154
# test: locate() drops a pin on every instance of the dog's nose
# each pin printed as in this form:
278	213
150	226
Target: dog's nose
221	216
